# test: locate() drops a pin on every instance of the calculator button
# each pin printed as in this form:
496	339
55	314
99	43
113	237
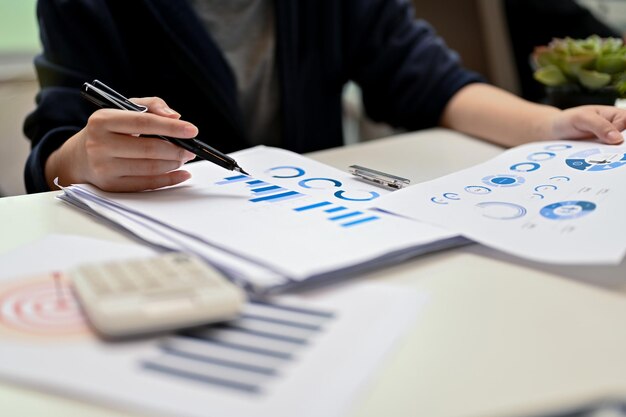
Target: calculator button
119	304
146	282
98	284
169	306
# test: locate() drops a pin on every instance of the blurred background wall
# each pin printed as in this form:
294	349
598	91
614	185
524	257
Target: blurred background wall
611	11
18	44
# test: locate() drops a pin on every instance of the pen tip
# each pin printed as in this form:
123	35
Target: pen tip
240	169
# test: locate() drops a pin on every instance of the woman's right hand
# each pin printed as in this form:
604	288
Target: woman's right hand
108	154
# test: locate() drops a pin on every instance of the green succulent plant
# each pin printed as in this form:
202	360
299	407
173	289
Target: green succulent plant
591	63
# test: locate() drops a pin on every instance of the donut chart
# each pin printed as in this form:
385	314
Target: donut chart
43	308
477	189
503	180
567	210
596	160
525	167
558	147
540	156
501	210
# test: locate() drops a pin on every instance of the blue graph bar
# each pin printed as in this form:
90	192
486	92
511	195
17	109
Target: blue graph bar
265	189
208	379
288	197
256	182
312	206
360	221
335	209
345	216
277	197
230	180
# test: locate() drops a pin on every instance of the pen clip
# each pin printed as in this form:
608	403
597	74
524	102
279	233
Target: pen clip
379	177
104	96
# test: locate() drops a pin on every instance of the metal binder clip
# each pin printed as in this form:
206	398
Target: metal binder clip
378	177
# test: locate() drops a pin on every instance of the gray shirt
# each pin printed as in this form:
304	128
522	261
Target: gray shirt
244	31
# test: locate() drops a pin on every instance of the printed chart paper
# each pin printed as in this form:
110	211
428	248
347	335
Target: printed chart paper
305	355
560	202
292	220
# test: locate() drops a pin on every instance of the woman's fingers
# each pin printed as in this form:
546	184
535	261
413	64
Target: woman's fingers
599	126
140	183
585	122
157	106
126	146
119	121
121	167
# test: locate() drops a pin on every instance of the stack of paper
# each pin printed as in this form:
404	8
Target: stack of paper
293	220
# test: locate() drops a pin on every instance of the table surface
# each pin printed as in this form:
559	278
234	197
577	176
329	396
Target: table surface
500	337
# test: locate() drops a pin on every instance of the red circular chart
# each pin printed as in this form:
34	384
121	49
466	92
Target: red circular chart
42	308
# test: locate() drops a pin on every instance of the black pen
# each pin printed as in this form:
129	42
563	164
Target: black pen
104	96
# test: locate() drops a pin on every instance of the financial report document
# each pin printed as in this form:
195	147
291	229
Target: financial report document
558	202
273	360
293	219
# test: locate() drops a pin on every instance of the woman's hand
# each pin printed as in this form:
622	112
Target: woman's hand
108	154
589	122
491	113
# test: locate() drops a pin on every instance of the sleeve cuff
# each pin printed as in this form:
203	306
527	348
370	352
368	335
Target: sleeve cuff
34	172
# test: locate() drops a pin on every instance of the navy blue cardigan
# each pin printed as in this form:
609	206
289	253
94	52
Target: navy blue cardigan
160	47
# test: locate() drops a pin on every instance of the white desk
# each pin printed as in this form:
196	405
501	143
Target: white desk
501	336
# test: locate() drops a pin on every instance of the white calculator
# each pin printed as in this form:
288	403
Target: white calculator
166	292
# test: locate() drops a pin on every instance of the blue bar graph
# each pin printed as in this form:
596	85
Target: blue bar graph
246	355
312	206
360	221
277	197
345	216
266	190
262	191
230	180
335	209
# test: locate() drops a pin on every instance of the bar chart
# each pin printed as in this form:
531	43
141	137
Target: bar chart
262	191
245	355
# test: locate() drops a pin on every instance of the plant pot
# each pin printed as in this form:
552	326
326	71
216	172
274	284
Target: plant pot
572	96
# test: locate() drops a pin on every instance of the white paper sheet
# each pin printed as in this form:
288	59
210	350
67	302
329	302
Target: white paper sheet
559	202
59	252
307	355
293	220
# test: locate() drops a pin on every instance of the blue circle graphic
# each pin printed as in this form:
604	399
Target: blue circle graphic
558	147
596	160
540	156
438	200
477	189
503	180
304	183
372	195
298	172
545	187
567	210
451	196
525	167
500	210
560	178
